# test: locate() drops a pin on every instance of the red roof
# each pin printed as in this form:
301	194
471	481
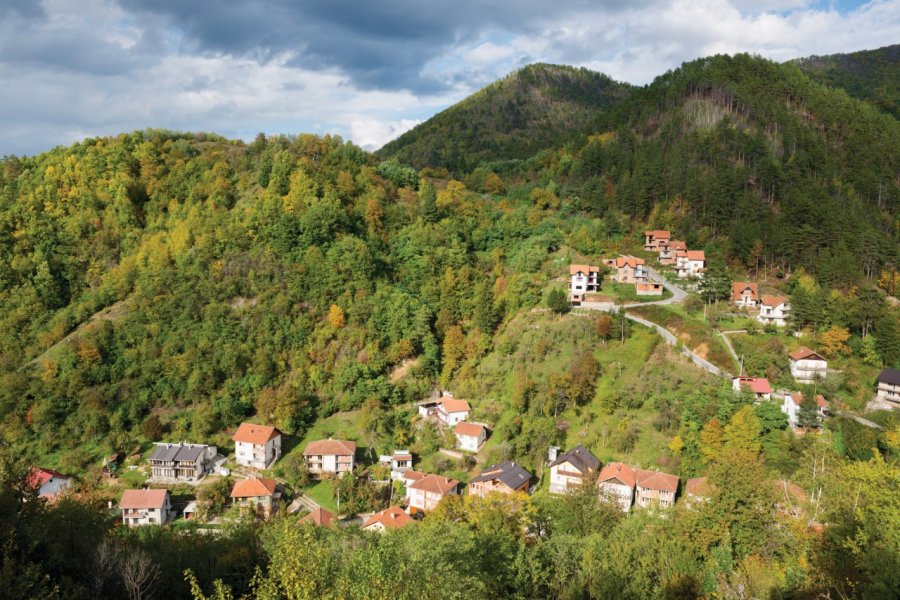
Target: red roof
630	261
803	352
452	405
655	480
573	269
677	245
658	234
410	475
773	300
435	484
738	287
391	518
253	488
251	433
696	255
134	499
620	471
330	448
759	385
797	398
319	516
470	429
39	476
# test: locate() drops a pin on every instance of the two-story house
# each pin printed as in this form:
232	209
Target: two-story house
256	494
690	264
653	488
181	462
583	279
669	252
426	492
319	517
616	483
505	478
888	386
470	436
655	238
389	518
451	411
744	293
774	310
145	507
791	407
48	483
807	366
758	385
256	446
627	269
399	462
569	469
335	457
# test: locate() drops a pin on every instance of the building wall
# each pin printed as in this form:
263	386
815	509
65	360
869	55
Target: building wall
619	493
564	477
888	391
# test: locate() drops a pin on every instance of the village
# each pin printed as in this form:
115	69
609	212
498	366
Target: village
253	489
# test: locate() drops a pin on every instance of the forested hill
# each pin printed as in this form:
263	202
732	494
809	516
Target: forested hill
871	75
537	107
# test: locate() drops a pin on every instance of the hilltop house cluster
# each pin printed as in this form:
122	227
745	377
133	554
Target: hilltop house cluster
689	264
447	411
773	310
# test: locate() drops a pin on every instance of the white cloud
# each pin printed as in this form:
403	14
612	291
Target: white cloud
372	134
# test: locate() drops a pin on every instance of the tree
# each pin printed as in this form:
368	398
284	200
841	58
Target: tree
743	432
604	326
336	316
716	283
711	440
139	572
428	201
808	413
557	300
833	341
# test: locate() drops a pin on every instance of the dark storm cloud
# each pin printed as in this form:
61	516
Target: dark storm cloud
381	45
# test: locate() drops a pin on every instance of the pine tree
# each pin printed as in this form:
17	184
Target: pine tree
428	202
716	283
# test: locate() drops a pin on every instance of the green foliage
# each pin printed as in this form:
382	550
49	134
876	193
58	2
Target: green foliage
557	300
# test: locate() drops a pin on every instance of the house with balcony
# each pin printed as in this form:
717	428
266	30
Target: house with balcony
759	386
145	507
654	488
181	462
791	407
690	264
470	436
399	462
49	483
258	495
583	279
807	366
256	446
334	457
503	478
774	310
744	293
451	411
569	469
425	492
616	484
389	518
654	239
627	269
887	386
669	252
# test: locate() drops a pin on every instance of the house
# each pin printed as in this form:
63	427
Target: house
616	482
470	436
584	279
190	511
888	385
668	252
627	269
410	477
256	446
570	468
399	462
690	263
758	385
807	366
389	518
697	490
650	288
145	507
48	483
653	239
744	293
258	494
181	462
791	407
427	491
319	517
774	310
451	411
654	488
330	456
505	478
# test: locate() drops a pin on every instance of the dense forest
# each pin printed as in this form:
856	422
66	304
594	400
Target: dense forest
167	286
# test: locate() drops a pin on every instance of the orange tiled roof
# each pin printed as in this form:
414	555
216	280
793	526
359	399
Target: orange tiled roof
773	300
391	518
620	471
133	499
253	488
319	516
470	429
656	480
435	484
696	255
330	448
452	405
39	476
583	269
659	234
797	398
759	385
251	433
803	352
738	287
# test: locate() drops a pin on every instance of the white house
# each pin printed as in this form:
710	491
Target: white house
330	456
888	386
744	293
181	462
400	462
257	494
470	436
427	491
389	518
145	507
690	263
48	483
256	446
451	411
774	310
616	482
791	407
807	366
758	385
583	280
568	470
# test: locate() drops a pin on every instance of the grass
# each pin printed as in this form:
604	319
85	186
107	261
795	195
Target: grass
692	332
321	493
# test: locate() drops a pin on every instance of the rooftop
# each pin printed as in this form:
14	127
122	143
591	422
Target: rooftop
251	433
509	473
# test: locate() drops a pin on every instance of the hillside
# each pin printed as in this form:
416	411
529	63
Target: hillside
870	75
537	107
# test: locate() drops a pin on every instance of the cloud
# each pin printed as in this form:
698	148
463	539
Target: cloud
372	134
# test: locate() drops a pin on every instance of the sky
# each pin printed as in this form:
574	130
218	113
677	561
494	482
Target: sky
366	70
